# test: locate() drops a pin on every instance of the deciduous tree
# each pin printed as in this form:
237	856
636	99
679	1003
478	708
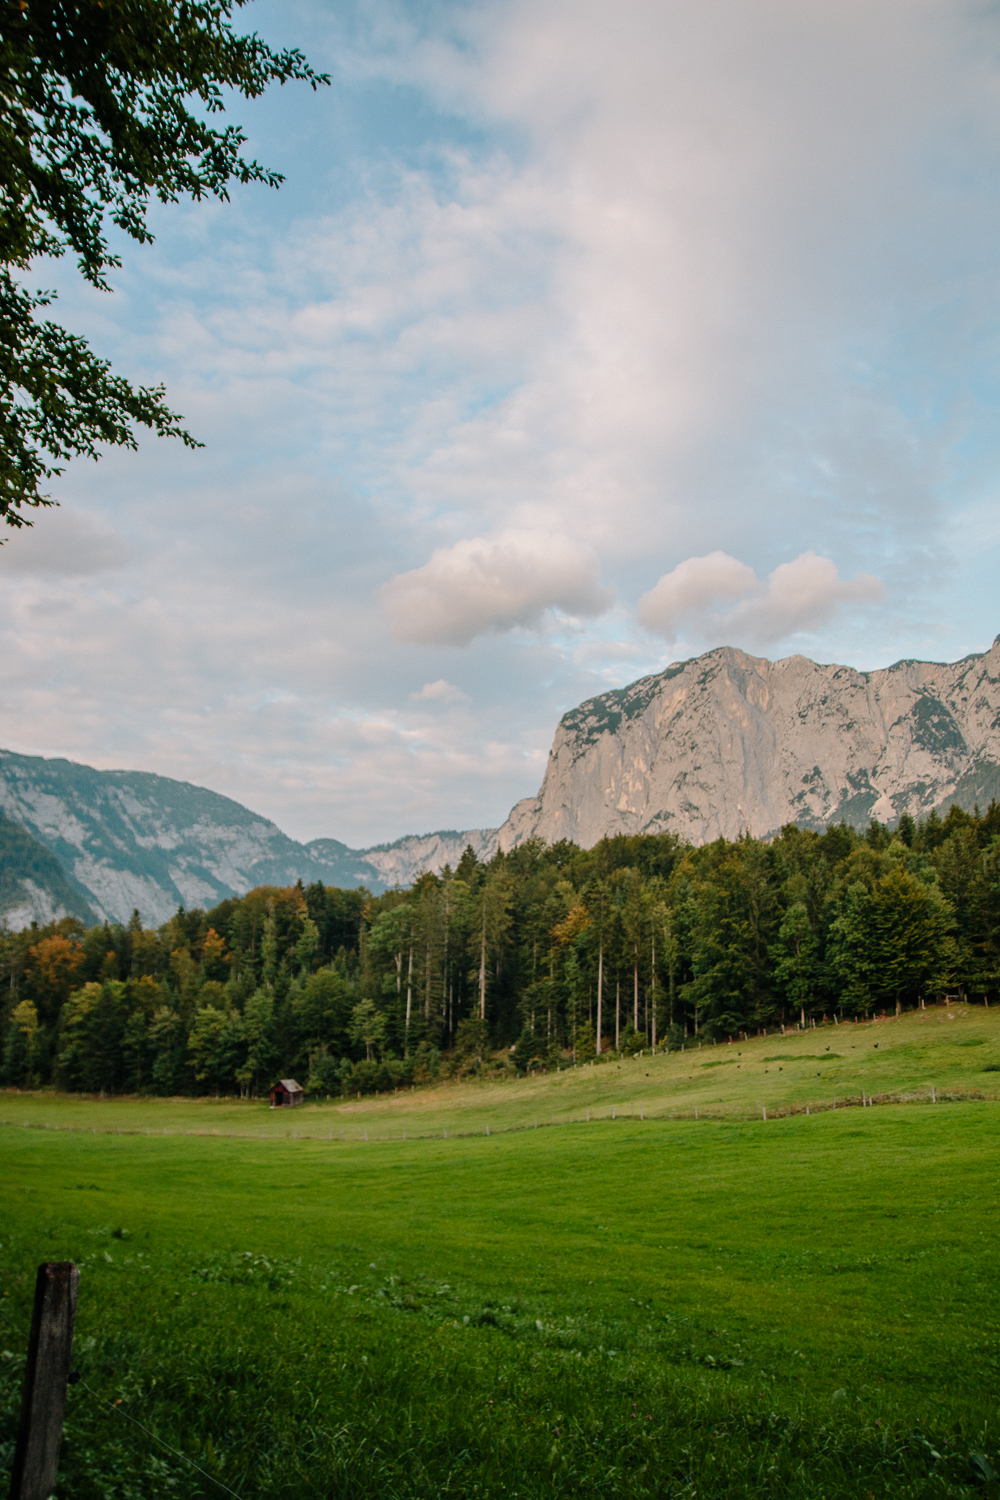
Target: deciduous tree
104	105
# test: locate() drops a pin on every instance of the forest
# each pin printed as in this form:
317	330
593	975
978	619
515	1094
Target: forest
542	957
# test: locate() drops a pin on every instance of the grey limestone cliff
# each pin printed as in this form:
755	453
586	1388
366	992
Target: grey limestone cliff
129	839
34	887
75	841
728	743
400	862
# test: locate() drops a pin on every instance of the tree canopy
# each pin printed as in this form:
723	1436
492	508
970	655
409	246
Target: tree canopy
536	958
104	105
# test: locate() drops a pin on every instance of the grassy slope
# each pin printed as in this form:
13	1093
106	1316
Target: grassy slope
945	1046
803	1308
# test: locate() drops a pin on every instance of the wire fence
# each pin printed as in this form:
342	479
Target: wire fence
633	1112
119	1409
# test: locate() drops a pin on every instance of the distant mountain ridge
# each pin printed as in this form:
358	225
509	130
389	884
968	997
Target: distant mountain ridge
97	845
400	862
126	840
729	743
719	745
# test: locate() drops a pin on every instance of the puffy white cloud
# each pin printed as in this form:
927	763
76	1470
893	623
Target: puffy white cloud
801	595
440	692
691	588
483	585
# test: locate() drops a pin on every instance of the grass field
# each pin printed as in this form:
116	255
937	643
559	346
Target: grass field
671	1307
951	1049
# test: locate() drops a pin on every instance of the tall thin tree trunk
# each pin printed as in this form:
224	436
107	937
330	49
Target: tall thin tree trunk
482	969
445	990
600	991
635	1017
427	983
409	998
652	980
618	1010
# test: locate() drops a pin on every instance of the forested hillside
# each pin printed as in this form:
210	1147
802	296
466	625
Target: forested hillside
543	955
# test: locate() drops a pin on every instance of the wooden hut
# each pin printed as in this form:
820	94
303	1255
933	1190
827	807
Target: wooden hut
285	1093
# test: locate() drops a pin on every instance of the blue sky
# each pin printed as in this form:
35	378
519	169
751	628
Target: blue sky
579	339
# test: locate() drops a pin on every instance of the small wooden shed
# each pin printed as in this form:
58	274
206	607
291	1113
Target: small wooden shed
285	1093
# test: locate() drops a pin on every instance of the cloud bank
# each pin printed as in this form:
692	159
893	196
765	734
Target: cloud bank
558	297
65	542
799	596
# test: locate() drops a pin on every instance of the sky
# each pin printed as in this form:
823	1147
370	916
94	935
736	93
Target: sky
579	339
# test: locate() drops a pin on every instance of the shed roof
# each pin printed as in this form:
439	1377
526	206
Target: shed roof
289	1085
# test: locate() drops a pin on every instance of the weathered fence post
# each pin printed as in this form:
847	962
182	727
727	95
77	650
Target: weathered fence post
36	1457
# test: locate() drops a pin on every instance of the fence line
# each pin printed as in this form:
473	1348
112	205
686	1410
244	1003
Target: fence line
120	1410
639	1114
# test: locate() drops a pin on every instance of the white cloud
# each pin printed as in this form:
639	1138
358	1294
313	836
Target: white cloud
801	595
691	588
440	692
650	277
484	585
730	260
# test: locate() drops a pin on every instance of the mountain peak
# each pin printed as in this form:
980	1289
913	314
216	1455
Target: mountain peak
727	742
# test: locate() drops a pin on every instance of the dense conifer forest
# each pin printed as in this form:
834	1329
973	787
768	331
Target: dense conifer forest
542	957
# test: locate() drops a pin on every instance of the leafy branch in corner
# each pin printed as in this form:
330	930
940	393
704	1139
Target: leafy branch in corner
94	122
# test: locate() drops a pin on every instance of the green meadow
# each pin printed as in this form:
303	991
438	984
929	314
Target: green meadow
952	1049
660	1307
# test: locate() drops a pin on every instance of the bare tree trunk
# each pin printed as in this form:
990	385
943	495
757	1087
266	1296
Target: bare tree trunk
635	1018
427	983
445	996
409	998
482	969
618	1011
600	991
652	979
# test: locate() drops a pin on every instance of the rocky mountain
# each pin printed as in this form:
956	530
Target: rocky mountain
401	862
34	886
128	839
729	742
714	746
75	841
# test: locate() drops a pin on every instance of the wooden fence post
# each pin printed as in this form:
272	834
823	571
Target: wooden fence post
36	1457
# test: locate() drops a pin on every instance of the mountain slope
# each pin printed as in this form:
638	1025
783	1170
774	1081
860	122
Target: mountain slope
133	840
33	884
97	844
729	742
400	862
